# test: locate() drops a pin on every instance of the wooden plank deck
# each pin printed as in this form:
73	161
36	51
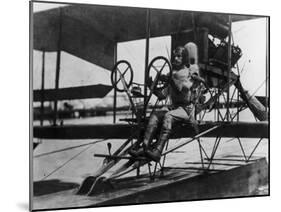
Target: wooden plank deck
230	178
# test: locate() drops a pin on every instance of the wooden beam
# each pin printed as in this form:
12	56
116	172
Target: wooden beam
124	131
147	37
58	64
229	66
42	86
267	64
115	91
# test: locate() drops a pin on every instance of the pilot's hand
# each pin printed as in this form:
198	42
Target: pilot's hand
197	78
164	78
159	94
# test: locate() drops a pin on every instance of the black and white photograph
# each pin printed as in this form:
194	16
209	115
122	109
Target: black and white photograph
137	105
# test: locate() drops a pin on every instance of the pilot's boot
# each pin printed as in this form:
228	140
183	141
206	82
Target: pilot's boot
194	124
155	154
137	152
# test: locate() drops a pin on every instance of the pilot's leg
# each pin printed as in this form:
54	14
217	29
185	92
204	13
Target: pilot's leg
155	119
169	119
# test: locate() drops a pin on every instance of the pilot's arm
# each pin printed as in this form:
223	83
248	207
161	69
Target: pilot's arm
197	78
194	70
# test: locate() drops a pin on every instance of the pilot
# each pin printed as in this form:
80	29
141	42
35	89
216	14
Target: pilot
182	94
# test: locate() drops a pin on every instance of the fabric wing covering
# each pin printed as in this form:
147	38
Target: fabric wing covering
91	32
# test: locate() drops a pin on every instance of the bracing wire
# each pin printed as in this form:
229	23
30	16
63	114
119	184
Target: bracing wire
65	163
258	88
66	149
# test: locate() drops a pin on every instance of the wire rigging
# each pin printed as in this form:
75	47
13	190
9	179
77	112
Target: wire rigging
66	149
68	161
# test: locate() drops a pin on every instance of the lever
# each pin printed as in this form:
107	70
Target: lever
109	148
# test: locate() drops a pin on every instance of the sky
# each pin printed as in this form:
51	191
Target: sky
250	36
37	6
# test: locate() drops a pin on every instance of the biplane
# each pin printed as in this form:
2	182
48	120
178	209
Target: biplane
92	32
